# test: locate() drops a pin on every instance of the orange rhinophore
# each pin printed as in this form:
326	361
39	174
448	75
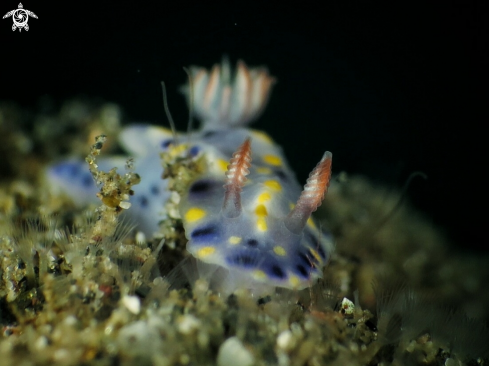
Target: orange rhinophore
312	195
238	169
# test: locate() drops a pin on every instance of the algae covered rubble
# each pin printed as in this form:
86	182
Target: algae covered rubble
82	286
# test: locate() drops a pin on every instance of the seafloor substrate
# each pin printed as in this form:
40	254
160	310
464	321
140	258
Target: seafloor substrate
78	286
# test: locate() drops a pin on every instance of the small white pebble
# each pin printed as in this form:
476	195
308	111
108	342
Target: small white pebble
188	323
173	212
41	343
125	205
132	304
285	340
233	352
175	197
71	320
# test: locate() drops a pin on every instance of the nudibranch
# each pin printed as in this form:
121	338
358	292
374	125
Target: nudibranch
245	215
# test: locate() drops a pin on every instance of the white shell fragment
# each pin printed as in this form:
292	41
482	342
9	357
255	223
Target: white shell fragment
125	205
285	340
132	303
233	352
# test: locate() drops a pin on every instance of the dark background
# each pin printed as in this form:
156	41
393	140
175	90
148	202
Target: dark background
389	89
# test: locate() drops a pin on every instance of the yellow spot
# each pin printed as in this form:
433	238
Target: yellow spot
163	130
311	223
264	170
205	251
260	135
273	184
222	164
279	250
294	281
194	214
261	210
264	197
272	160
261	224
259	275
316	255
177	150
291	205
234	240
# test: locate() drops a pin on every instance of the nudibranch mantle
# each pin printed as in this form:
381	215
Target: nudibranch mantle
245	214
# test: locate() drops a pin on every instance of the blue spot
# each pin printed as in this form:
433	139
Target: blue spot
276	271
209	134
203	188
166	143
87	180
194	151
281	174
200	186
252	242
155	190
206	234
143	201
302	270
304	258
244	258
67	169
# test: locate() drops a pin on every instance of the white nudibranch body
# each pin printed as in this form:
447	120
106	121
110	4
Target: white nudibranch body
245	216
